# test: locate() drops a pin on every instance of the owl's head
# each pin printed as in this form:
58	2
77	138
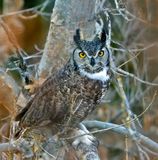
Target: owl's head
92	57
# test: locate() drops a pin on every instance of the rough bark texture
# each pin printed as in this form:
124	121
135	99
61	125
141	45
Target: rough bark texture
67	16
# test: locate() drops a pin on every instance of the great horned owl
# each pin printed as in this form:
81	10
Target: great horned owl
73	92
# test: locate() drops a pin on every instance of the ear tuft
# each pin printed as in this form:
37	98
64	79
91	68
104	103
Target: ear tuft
77	37
103	36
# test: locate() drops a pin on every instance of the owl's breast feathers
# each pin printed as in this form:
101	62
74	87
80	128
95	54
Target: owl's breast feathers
65	98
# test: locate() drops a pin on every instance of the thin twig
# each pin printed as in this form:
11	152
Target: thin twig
7	147
126	146
123	49
33	9
123	131
129	60
135	77
120	11
52	156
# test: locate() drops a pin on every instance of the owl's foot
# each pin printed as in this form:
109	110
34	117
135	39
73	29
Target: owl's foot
84	139
85	145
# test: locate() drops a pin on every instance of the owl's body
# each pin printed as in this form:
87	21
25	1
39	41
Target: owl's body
68	96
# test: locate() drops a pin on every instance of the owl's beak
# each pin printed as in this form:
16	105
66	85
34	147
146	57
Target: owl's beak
92	61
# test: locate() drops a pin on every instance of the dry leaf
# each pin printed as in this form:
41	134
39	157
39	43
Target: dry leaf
35	85
21	31
21	101
8	94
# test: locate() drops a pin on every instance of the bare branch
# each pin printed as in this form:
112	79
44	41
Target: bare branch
85	146
103	126
123	131
18	145
129	60
7	147
135	77
123	49
120	11
33	9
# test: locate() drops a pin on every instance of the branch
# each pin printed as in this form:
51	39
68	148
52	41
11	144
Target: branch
123	131
33	9
7	147
120	11
131	125
125	49
99	125
86	147
18	145
118	70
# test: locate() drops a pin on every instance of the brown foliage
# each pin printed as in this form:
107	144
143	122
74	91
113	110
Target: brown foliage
18	29
8	94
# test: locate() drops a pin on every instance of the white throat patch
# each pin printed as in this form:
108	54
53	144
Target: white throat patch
102	75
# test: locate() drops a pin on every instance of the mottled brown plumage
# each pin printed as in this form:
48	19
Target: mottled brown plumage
67	97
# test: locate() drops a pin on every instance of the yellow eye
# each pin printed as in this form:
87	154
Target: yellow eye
82	55
101	53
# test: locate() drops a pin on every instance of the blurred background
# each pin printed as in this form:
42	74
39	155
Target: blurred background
24	27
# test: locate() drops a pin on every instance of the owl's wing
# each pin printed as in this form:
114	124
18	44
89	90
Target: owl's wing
40	108
23	111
